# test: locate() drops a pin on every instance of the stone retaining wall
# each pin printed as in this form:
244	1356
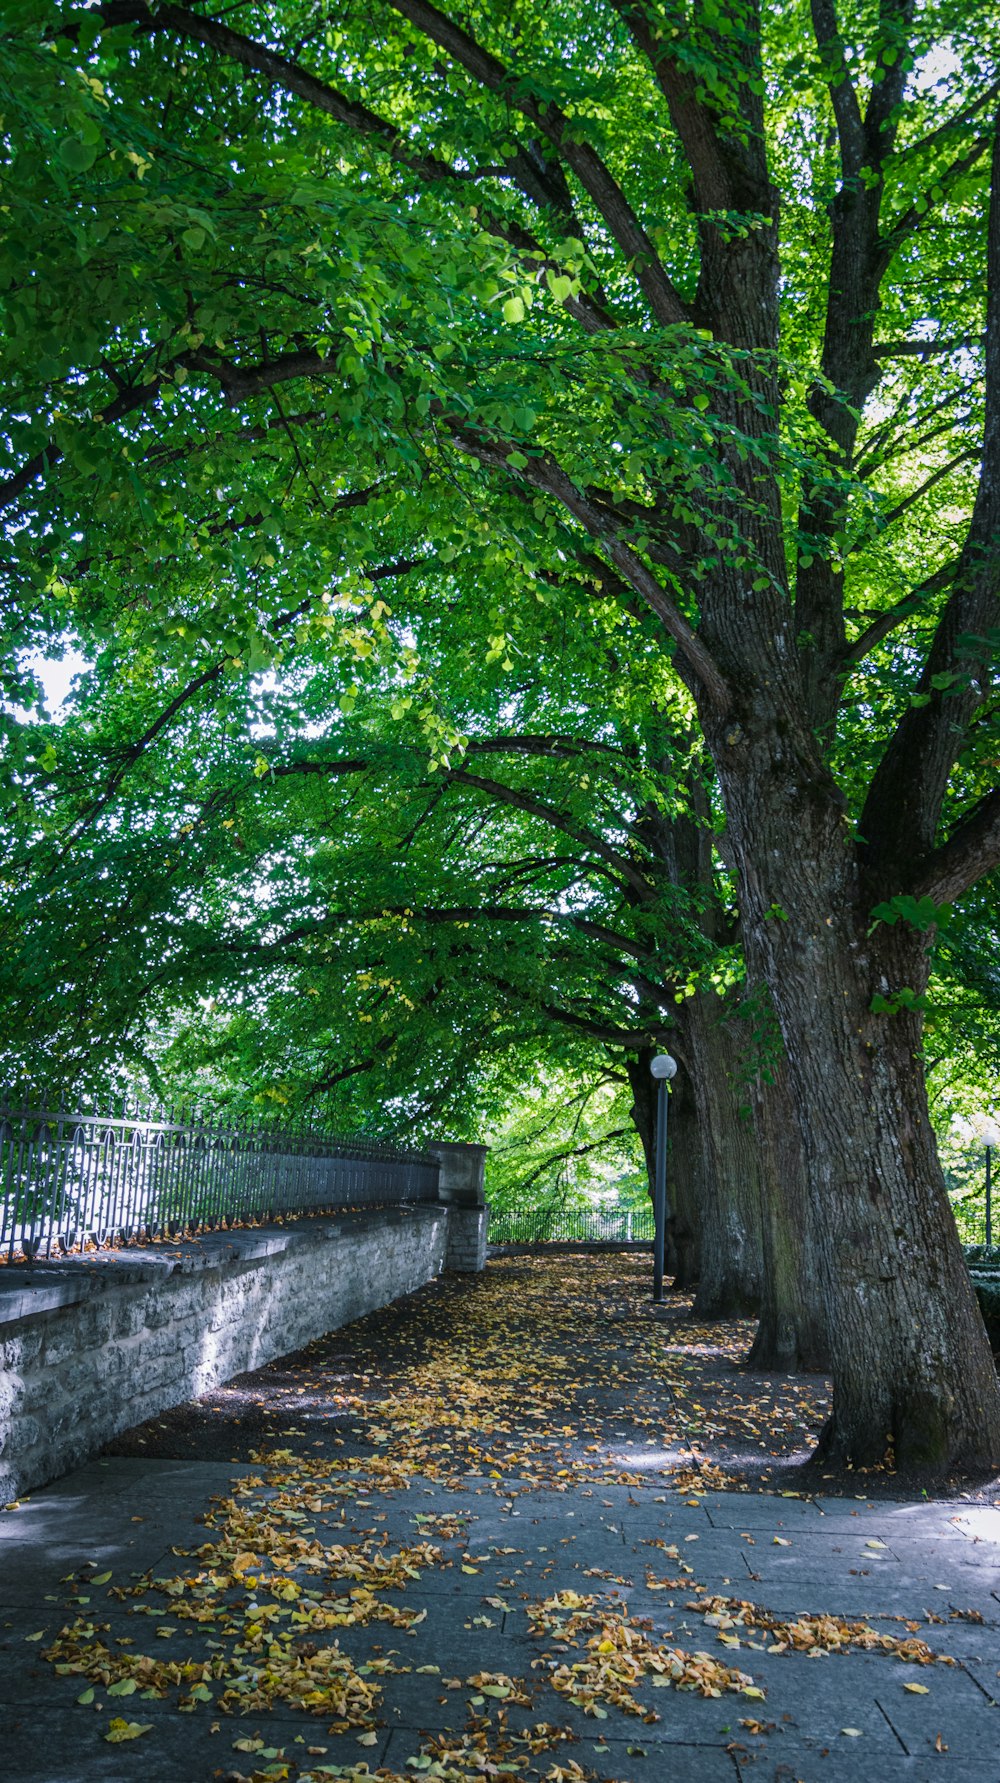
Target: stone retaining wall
92	1345
467	1238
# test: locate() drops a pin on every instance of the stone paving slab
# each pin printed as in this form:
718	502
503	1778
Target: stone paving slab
871	1598
808	1700
624	1761
575	1533
745	1510
812	1764
179	1749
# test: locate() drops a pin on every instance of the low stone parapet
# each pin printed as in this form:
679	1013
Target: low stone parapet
91	1345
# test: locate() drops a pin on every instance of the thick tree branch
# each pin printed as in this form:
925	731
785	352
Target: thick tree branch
860	257
904	803
907	349
915	217
380	1048
539	182
134	752
131	400
843	94
521	743
897	614
542	472
581	1151
972	849
918	150
562	821
595	1027
880	449
552	123
970	456
728	164
895	21
460	914
275	68
692	120
519	799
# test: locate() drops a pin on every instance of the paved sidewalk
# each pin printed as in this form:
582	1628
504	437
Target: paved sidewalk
487	1541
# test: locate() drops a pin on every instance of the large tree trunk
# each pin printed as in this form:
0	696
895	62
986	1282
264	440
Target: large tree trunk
791	1335
732	1158
912	1370
710	1052
729	1283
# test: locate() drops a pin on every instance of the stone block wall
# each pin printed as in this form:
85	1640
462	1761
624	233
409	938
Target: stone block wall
92	1345
467	1238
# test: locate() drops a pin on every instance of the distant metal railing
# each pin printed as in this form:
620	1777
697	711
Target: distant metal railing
972	1198
606	1225
69	1180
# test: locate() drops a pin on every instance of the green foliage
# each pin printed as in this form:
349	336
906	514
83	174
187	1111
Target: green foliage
565	1142
368	792
920	913
906	998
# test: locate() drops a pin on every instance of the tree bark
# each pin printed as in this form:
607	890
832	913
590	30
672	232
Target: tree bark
790	1336
912	1370
729	1283
743	1172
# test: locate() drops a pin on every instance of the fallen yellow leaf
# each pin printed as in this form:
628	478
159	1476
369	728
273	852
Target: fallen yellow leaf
126	1730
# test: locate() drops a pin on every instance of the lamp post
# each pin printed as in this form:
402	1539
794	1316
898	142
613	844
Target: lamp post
987	1128
663	1068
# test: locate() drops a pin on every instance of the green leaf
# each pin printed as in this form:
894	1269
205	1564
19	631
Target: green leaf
919	913
76	154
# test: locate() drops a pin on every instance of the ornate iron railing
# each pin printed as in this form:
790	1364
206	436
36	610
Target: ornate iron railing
68	1180
599	1225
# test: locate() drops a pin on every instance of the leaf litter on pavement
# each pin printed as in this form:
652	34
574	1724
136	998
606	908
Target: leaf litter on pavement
545	1374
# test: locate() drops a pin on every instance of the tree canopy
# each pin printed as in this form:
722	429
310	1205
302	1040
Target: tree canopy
384	386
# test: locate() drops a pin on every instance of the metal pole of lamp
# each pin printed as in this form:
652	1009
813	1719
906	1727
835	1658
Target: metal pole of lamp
663	1068
989	1194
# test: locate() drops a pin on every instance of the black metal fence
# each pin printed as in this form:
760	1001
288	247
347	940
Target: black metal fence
976	1224
71	1180
599	1225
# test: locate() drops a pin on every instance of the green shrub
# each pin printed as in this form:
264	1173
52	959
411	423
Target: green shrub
987	1287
